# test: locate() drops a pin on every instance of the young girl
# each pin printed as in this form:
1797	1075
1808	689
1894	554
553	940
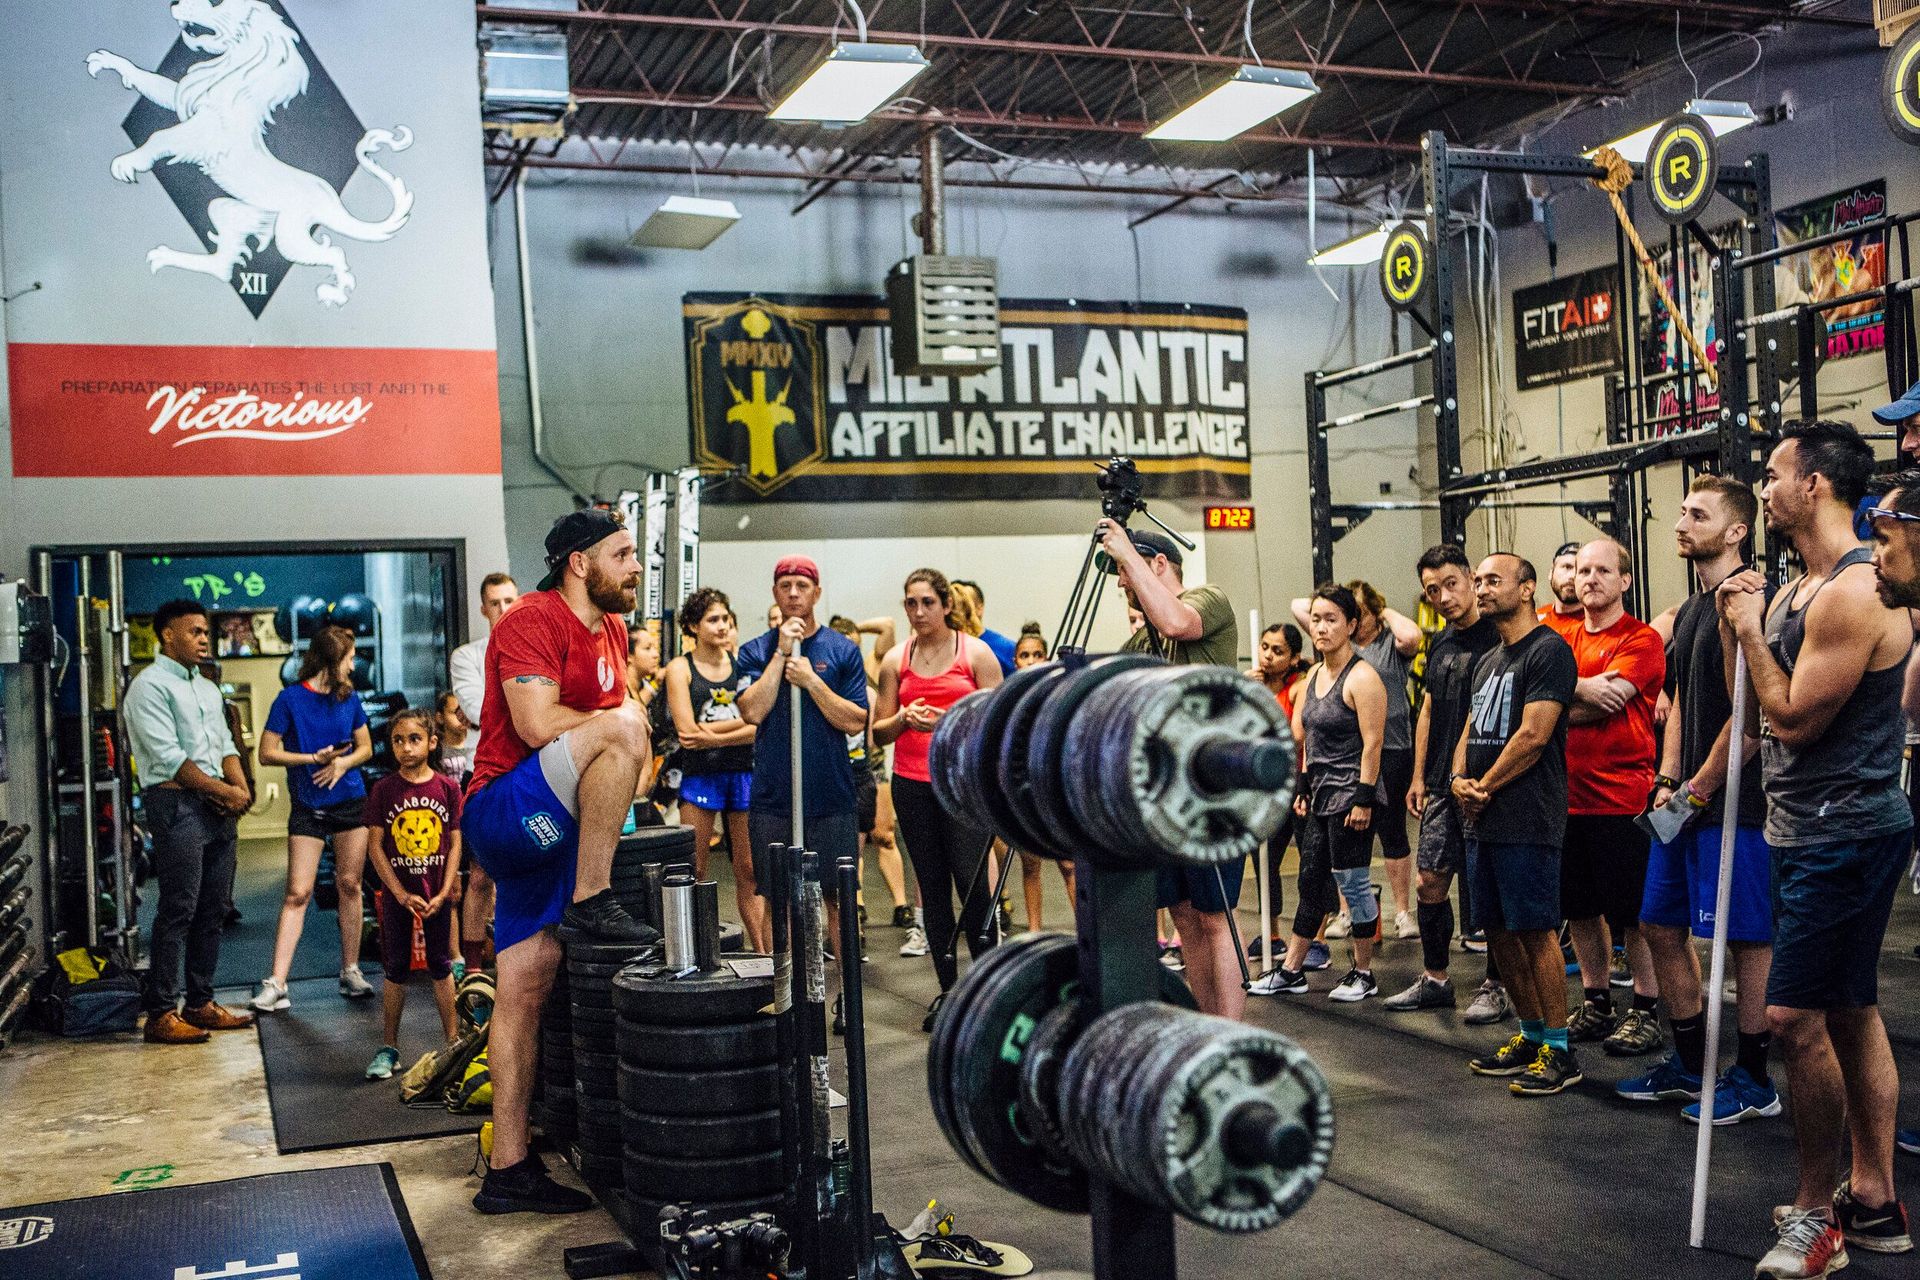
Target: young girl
317	731
413	826
457	740
1031	651
716	751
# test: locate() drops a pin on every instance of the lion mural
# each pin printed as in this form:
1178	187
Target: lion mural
225	104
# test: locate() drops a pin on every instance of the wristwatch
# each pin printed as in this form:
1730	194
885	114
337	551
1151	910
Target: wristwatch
1663	780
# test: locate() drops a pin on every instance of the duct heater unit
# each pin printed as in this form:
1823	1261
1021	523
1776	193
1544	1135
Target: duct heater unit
524	84
944	313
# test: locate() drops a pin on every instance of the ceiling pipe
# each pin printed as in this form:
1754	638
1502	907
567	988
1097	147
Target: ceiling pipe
1037	48
933	194
797	175
526	336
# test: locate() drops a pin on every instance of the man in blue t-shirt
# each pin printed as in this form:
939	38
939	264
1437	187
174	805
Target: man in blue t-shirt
1001	646
830	672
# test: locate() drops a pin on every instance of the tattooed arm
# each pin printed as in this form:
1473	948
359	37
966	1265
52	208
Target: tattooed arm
534	703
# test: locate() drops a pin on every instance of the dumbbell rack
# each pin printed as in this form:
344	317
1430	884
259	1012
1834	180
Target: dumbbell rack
1119	966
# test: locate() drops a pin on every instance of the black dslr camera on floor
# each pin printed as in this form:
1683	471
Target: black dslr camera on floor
695	1246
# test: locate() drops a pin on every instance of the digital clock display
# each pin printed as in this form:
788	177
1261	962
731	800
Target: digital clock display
1224	518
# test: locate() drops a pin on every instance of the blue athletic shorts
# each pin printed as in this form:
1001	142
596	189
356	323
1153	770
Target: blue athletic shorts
718	792
1683	878
1516	887
522	835
1830	909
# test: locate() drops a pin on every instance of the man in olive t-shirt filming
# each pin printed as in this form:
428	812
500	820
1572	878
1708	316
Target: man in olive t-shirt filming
1510	779
1188	626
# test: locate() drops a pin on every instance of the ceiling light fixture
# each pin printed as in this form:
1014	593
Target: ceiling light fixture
1355	251
855	81
686	222
1723	117
1254	96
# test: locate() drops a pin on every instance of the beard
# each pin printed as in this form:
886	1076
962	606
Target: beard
608	593
1897	595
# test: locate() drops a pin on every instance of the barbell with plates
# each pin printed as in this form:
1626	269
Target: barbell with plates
1124	758
1227	1125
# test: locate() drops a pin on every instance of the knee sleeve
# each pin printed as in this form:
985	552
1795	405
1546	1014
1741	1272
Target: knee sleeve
1356	886
1436	933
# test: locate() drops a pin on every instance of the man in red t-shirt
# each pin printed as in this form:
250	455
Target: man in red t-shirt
1611	753
1563	612
561	751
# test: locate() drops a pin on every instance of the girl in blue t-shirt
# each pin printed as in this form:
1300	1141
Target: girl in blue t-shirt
317	730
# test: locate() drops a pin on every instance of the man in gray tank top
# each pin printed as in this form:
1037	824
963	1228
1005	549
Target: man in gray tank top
1825	659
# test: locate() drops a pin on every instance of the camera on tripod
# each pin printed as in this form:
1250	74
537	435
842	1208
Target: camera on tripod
1120	490
695	1246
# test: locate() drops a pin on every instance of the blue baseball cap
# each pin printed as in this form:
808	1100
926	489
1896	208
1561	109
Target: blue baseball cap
1908	405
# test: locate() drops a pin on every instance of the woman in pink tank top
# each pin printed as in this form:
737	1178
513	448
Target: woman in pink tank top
934	668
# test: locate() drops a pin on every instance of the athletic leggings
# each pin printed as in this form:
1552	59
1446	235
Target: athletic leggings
946	861
1331	853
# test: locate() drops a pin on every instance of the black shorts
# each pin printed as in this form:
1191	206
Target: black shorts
1210	889
1390	822
1603	869
396	939
329	821
866	802
833	836
1830	908
1443	840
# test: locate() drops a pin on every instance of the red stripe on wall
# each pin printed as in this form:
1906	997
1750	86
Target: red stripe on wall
84	410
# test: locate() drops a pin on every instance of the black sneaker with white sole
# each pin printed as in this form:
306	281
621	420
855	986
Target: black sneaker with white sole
1510	1059
527	1188
1881	1229
1553	1070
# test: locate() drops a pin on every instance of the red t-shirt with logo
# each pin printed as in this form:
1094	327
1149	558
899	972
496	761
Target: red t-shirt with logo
417	822
1564	623
541	636
1610	762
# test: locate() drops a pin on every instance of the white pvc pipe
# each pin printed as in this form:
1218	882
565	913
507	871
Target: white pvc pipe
1722	896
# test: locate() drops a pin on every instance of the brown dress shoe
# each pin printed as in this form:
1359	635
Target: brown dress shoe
168	1027
213	1017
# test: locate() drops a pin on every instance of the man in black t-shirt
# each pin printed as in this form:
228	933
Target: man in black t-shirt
1716	517
1510	779
1446	582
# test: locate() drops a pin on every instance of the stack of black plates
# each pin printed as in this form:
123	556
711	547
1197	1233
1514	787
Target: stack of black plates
699	1091
636	850
590	970
553	1104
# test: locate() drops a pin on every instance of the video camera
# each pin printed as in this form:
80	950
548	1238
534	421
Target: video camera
1120	490
693	1246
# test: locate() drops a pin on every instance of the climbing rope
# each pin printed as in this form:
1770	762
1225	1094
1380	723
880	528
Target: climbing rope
1618	176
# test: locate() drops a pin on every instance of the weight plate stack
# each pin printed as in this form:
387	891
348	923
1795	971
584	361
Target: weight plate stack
591	967
699	1088
1058	708
636	851
1227	1125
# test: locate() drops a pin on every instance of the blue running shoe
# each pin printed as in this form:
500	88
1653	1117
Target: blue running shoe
1318	958
1667	1082
384	1063
1737	1096
1908	1140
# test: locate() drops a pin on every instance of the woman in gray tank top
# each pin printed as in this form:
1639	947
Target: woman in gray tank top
1339	720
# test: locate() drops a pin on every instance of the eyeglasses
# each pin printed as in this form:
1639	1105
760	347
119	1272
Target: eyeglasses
1888	513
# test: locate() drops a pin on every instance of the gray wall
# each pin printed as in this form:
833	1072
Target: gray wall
612	360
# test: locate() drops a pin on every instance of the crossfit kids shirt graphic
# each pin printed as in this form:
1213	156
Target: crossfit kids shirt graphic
416	821
1532	808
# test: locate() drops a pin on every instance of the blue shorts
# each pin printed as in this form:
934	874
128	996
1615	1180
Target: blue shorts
1214	890
522	835
1683	881
1830	909
1516	887
718	792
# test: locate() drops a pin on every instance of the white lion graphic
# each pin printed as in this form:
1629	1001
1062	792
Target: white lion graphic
225	104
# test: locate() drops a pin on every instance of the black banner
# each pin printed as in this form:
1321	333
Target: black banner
799	392
1567	329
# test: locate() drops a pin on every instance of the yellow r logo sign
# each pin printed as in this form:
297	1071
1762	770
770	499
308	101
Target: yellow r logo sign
1402	267
1679	169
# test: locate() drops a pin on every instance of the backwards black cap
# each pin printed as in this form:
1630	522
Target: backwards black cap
575	531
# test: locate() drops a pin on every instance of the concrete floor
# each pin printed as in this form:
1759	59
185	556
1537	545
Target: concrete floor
1435	1173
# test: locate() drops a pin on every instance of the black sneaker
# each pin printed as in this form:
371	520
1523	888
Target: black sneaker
1589	1021
1510	1059
1877	1230
604	920
1553	1070
526	1188
933	1011
903	917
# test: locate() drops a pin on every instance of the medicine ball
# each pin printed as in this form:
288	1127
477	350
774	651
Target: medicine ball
355	612
307	613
